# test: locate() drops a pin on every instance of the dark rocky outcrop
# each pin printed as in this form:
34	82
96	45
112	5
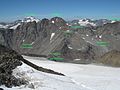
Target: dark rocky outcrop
41	68
6	37
1	89
8	61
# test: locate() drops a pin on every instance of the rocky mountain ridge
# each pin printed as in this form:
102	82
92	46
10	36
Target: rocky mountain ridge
82	22
74	43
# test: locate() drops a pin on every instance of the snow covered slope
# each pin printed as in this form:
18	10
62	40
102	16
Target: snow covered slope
85	22
90	22
30	19
15	24
78	77
3	26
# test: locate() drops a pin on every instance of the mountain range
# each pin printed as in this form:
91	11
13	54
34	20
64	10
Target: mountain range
83	22
76	41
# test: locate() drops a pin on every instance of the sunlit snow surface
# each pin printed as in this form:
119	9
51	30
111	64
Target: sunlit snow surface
3	26
78	77
14	27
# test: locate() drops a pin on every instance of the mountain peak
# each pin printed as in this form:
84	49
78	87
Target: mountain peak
30	19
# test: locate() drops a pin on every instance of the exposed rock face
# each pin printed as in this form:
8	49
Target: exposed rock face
6	37
56	35
111	58
9	60
38	35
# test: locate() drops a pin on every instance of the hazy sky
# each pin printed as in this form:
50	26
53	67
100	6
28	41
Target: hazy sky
11	10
